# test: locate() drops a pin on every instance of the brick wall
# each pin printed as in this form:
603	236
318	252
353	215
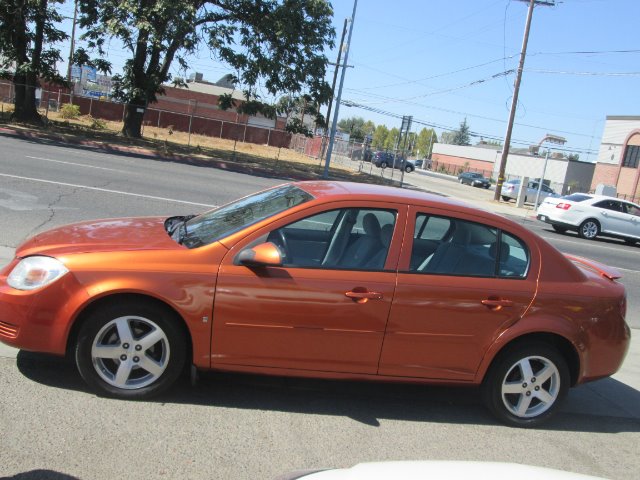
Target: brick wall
604	173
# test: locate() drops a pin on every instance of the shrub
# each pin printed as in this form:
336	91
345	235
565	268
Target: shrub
97	123
69	111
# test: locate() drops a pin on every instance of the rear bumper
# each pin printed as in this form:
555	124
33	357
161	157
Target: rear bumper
545	218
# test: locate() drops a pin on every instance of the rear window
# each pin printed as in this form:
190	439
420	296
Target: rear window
577	197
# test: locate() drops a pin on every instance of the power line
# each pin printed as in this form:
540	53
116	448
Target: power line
350	103
591	74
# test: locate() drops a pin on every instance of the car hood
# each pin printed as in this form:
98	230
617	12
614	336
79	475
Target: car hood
116	234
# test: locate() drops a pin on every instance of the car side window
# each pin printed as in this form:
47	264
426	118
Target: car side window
513	257
351	238
466	248
632	209
609	205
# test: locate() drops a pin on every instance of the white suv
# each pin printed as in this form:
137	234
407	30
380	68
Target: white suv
592	215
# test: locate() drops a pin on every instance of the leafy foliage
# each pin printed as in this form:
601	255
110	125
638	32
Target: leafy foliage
28	34
424	142
357	128
278	44
69	111
461	136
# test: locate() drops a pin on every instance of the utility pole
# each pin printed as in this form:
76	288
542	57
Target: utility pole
334	124
333	87
73	38
516	90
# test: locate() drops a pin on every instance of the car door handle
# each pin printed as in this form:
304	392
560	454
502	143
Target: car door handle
494	303
364	296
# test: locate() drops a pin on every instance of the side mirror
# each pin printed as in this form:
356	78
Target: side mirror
262	255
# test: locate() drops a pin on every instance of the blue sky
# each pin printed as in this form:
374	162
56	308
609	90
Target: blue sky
444	60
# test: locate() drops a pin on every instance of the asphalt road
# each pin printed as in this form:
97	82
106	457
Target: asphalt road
250	427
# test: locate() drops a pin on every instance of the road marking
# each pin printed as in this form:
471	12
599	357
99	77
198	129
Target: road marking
77	164
580	243
106	190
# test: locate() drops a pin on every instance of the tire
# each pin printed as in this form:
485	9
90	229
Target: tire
589	229
505	198
525	386
383	164
461	182
559	229
144	350
408	169
630	241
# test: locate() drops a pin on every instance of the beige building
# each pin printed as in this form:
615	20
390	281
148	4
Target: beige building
619	157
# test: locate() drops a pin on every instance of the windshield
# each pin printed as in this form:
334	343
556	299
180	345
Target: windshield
216	224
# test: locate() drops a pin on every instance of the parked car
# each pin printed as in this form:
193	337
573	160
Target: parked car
510	191
435	470
387	159
474	179
320	279
592	215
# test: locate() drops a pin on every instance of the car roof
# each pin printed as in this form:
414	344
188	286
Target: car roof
331	190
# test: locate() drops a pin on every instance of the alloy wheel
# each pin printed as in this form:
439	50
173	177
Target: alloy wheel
531	387
130	352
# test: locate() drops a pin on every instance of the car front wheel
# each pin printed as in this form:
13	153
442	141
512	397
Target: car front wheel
130	350
589	229
505	198
461	181
383	164
526	386
408	169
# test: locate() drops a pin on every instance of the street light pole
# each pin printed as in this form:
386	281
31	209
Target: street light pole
544	170
551	139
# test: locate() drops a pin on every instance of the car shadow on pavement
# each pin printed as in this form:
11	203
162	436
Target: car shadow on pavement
589	408
40	475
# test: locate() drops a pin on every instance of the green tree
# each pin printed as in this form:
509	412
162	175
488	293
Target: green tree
294	109
28	34
424	143
379	137
278	44
461	136
355	127
392	139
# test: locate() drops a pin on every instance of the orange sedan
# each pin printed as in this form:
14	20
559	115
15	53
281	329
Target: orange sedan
321	279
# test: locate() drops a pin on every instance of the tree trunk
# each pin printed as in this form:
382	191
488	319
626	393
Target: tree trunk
133	116
25	101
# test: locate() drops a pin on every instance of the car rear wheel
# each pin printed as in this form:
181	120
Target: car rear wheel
525	386
461	181
130	350
408	169
505	198
589	229
383	164
559	229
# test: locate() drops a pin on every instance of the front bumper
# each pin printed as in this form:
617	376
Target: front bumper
38	320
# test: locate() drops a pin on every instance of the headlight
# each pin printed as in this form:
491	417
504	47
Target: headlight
35	272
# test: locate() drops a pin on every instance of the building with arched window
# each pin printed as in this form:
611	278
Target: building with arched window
619	157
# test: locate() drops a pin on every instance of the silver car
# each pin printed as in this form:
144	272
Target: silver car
510	191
